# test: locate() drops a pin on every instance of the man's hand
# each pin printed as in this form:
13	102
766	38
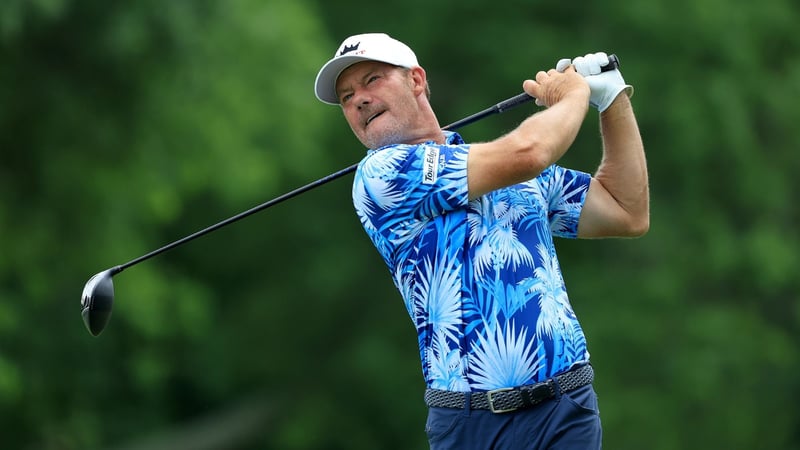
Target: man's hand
605	86
553	86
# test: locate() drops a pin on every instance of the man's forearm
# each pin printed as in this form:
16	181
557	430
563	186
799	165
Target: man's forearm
623	169
555	128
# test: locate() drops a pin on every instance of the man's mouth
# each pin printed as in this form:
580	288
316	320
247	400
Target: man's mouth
372	117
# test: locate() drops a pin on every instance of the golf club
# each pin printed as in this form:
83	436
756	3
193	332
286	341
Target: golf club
98	293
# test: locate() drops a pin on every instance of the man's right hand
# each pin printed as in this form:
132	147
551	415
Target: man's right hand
553	86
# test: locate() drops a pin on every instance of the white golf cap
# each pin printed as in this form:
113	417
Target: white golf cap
361	47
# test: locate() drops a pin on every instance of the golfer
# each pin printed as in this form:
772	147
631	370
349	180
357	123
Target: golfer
467	233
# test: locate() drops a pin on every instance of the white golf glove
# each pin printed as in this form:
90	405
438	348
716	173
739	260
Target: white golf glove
604	86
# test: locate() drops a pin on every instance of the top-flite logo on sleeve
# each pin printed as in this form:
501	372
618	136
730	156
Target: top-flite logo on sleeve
430	165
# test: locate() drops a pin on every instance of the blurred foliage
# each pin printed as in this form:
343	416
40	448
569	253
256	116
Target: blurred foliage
126	125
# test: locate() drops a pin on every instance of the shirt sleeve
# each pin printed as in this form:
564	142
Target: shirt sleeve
565	190
417	181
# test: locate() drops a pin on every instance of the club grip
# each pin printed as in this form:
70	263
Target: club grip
613	63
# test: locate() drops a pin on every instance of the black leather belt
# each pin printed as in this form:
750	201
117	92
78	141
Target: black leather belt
511	399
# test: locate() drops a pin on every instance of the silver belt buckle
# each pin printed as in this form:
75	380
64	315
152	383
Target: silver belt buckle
490	399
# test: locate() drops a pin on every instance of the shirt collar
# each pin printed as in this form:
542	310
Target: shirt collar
450	138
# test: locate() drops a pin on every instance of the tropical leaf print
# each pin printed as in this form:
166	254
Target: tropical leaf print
379	171
438	293
447	366
567	191
575	344
555	310
495	241
404	283
365	208
496	300
505	358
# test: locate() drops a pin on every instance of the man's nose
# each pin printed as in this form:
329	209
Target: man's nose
361	99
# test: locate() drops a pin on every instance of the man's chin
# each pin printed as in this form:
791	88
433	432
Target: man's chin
383	139
383	143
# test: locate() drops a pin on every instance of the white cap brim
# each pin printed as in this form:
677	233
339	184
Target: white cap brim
325	85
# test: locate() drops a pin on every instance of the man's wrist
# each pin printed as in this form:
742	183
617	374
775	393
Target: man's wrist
621	102
582	95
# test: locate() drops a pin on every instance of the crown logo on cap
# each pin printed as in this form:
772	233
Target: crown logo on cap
349	48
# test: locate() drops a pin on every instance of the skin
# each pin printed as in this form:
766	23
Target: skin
385	104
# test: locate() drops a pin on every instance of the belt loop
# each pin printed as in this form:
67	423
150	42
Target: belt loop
467	403
556	388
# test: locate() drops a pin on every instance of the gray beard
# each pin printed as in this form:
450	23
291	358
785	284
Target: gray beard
395	135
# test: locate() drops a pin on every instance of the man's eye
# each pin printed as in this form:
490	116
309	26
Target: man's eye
372	78
345	98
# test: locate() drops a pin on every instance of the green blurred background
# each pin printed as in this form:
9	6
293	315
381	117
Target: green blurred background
125	125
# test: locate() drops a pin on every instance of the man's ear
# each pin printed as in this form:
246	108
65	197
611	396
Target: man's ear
420	80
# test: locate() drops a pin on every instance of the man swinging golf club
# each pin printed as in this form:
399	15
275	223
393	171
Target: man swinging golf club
467	233
97	298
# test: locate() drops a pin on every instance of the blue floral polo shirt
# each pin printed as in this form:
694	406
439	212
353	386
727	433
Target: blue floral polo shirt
480	279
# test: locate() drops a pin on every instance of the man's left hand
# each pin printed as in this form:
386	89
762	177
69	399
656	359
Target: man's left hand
605	86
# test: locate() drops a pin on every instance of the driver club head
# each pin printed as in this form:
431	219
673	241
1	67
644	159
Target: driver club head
97	300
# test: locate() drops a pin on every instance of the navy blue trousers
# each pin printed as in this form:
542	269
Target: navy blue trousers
570	421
